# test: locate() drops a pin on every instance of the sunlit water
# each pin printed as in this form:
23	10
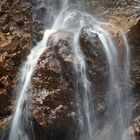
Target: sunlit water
118	113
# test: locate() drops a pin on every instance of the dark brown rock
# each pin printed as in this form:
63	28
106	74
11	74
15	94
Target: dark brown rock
53	93
14	47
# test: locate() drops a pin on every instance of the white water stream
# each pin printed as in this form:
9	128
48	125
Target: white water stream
118	118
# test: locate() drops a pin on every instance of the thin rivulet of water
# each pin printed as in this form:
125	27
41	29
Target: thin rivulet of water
118	118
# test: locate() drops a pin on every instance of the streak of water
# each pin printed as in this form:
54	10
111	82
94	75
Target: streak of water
84	89
118	117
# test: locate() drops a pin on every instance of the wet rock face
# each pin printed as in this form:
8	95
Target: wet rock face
44	13
101	5
96	61
54	104
53	92
15	37
134	40
117	3
54	81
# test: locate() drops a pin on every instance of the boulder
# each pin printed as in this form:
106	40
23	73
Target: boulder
54	80
54	105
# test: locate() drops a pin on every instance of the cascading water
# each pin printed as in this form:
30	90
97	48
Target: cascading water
117	118
18	132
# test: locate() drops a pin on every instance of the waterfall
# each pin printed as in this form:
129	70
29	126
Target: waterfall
118	113
118	118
